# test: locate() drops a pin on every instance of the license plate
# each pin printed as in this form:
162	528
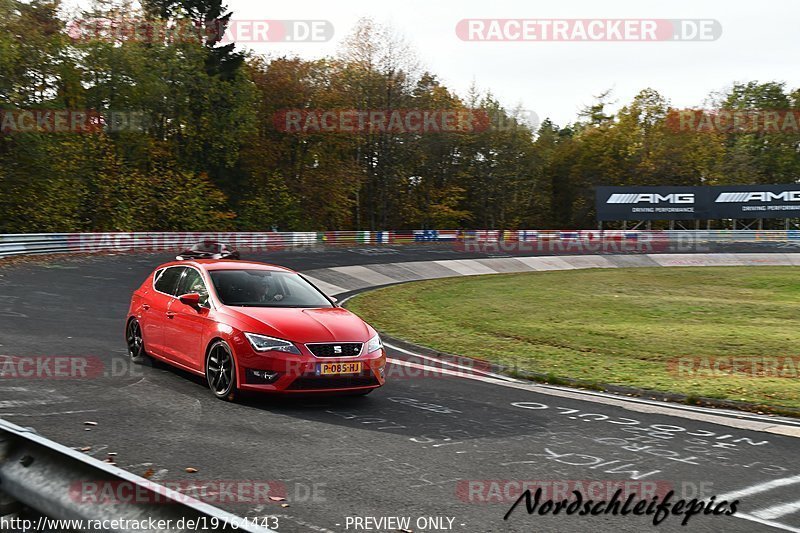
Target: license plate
339	368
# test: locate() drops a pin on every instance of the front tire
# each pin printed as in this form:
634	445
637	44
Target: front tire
221	371
133	336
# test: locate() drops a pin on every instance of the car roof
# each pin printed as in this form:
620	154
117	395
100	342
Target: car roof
224	264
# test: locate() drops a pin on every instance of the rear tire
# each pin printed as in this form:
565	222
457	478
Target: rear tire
221	371
133	337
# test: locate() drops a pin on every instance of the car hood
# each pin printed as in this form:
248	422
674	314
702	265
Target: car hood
303	325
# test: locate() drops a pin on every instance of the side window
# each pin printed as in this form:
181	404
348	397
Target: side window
167	282
193	282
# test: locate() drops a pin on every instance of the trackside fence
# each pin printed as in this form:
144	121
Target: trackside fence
154	242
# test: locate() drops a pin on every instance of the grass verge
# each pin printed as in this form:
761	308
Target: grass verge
662	329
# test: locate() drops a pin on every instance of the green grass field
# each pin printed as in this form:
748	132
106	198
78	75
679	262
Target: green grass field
621	326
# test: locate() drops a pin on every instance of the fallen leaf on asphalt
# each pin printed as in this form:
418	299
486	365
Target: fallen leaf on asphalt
86	448
149	473
191	470
284	505
277	499
90	423
112	454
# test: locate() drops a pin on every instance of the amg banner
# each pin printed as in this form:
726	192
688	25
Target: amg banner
698	203
755	201
651	203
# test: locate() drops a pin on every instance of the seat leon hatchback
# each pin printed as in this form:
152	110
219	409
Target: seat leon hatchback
249	326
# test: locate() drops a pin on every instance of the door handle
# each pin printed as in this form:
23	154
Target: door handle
146	307
170	315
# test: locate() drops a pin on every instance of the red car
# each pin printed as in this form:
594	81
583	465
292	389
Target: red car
252	327
208	250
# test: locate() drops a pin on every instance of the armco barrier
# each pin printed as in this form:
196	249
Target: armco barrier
146	242
41	474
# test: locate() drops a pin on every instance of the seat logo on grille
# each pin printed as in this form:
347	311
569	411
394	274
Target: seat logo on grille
337	349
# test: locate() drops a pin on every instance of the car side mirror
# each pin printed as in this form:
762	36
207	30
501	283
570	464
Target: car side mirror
192	299
334	299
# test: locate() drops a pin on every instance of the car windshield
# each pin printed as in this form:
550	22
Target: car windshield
211	247
264	288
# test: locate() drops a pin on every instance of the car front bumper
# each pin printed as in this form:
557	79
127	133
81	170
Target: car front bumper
278	372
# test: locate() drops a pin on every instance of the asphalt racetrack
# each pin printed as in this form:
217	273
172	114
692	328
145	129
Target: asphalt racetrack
424	446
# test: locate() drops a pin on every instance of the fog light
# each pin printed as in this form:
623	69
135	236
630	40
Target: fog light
261	376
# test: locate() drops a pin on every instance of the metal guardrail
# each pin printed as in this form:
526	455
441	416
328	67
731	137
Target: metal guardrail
153	242
42	474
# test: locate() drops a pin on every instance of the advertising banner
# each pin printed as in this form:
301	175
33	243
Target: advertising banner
651	203
698	203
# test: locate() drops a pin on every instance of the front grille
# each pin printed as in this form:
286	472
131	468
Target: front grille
333	382
334	349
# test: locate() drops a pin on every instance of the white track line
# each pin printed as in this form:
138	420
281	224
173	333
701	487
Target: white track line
445	371
721	417
778	511
770	523
454	365
765	516
761	487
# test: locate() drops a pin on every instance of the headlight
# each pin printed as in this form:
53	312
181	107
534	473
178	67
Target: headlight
374	344
262	343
